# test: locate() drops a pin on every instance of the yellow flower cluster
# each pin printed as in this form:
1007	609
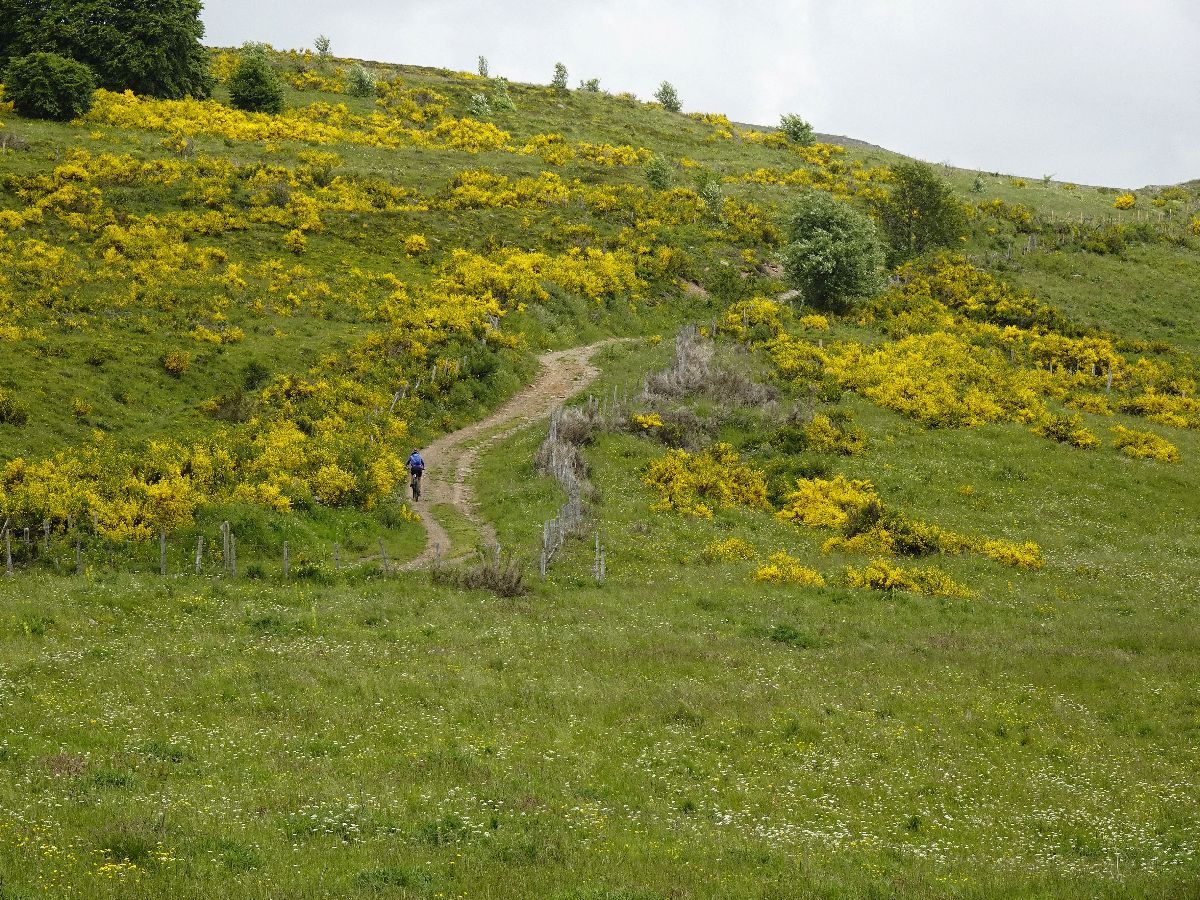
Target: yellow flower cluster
785	569
729	550
827	436
481	188
519	276
647	421
1144	445
610	155
826	503
1125	201
880	575
695	483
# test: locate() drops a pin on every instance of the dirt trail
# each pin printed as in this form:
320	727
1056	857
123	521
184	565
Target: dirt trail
450	459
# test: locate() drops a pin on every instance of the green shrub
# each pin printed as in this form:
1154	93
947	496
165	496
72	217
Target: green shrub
797	130
668	97
49	86
254	86
834	254
591	85
483	66
11	411
658	173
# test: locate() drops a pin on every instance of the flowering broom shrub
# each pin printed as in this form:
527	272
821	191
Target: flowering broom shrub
1144	445
729	550
785	569
694	483
880	575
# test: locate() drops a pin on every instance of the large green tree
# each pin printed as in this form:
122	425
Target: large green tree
920	213
147	46
834	254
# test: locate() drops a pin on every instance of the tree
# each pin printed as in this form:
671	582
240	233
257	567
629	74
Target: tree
49	86
322	45
797	130
560	77
483	66
360	82
668	97
834	254
592	85
254	86
146	46
920	212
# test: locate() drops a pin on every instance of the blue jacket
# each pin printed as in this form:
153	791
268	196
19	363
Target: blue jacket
415	463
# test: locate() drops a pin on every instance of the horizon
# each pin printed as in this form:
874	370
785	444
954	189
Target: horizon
1036	104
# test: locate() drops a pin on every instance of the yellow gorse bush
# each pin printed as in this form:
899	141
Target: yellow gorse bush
1144	445
785	569
729	550
695	483
881	575
826	503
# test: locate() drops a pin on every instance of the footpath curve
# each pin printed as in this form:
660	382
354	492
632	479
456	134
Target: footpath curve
450	460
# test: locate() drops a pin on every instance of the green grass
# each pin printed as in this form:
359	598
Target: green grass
676	732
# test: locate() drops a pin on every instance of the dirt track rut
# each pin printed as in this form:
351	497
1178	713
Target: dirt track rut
450	460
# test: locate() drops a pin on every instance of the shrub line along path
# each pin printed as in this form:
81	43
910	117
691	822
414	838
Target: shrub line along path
450	460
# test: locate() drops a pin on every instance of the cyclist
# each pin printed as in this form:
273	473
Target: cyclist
416	468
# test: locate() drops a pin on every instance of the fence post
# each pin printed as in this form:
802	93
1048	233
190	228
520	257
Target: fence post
232	555
46	532
199	552
78	558
8	569
286	568
383	556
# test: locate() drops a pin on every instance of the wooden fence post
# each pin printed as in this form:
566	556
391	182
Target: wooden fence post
8	569
199	552
384	557
232	555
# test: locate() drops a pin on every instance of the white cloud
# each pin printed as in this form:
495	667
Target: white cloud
1098	92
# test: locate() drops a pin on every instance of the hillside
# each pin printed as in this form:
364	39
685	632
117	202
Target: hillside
896	602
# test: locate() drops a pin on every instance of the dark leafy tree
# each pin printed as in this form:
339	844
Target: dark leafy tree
150	47
254	86
49	86
920	212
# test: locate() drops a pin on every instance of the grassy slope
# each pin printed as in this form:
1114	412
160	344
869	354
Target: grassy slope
653	737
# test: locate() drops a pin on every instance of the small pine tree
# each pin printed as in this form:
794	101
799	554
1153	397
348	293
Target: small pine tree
560	77
668	97
49	86
658	173
360	82
797	130
483	66
254	86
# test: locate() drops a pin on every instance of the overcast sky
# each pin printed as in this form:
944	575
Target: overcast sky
1095	91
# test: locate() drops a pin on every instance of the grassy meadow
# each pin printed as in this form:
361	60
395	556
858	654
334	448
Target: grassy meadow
681	730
